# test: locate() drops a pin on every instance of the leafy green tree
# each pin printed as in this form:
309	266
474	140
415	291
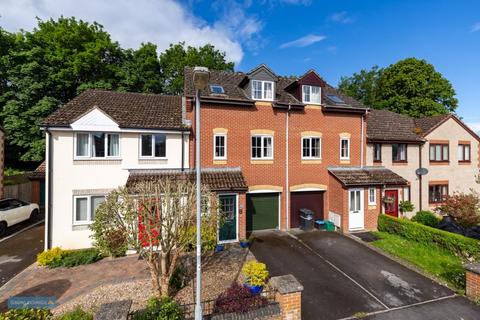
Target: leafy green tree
362	86
410	86
48	67
141	70
178	56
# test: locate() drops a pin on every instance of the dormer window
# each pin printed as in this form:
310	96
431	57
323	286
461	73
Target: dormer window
262	90
311	94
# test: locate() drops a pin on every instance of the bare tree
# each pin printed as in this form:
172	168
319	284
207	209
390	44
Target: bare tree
163	224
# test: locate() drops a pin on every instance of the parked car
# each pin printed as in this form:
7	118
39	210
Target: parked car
13	211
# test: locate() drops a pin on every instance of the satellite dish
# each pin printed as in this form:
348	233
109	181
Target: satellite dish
421	171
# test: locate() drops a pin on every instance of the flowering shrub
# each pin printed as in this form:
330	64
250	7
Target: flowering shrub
463	207
255	273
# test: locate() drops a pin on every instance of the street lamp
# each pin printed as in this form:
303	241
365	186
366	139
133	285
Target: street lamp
201	76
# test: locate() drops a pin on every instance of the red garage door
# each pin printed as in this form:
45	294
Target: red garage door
312	200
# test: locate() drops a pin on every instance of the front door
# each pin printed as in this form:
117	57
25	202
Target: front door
228	211
356	214
391	202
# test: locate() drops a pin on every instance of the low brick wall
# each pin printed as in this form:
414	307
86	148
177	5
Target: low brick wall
289	296
473	281
270	312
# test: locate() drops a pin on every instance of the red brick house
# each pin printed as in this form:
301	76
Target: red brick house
299	144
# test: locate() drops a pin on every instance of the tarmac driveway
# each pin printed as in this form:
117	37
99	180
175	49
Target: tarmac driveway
342	277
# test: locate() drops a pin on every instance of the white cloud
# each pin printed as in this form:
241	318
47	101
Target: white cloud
475	27
303	41
341	17
132	22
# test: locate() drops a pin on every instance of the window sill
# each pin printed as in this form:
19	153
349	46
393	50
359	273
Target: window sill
344	161
400	163
464	163
220	161
261	161
96	159
311	161
439	163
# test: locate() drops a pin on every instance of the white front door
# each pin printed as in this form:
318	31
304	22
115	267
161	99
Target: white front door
356	212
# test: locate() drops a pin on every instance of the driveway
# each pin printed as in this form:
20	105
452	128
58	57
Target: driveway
342	277
19	248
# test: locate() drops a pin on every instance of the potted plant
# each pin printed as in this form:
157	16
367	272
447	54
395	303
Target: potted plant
219	247
406	207
256	275
244	243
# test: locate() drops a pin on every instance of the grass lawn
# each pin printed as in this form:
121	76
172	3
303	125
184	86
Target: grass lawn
430	258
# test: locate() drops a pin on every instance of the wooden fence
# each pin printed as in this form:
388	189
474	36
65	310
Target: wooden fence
22	191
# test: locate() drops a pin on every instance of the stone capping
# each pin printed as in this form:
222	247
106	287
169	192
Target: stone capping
286	284
473	267
117	310
260	313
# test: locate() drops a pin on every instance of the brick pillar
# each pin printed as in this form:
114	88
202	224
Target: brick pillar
473	280
289	296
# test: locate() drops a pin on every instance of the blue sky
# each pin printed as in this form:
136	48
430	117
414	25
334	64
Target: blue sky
336	38
352	35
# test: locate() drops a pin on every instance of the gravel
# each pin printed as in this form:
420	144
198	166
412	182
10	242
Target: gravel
219	271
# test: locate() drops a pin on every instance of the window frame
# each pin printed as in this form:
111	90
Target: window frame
262	146
215	157
370	202
406	153
347	157
90	144
442	185
463	147
310	94
89	198
153	146
263	91
310	157
442	150
375	159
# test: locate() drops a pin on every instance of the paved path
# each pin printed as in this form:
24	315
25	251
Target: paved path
19	249
342	277
68	283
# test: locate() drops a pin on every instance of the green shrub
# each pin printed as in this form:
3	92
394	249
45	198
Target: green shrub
462	246
26	314
77	314
427	218
209	238
51	256
75	258
160	309
406	206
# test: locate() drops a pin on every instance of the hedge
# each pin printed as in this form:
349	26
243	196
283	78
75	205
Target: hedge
464	247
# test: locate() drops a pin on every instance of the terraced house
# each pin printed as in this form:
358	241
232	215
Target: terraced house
443	145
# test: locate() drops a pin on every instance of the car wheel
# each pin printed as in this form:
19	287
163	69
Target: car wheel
3	228
34	214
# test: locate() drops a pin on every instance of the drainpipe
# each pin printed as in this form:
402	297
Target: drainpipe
48	178
420	178
183	153
287	189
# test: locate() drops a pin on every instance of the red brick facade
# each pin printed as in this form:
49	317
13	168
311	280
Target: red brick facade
238	122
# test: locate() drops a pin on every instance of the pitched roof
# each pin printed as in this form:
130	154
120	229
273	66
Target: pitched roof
384	125
39	172
128	110
426	124
217	179
233	84
366	176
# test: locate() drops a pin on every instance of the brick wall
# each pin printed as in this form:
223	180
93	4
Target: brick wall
372	212
239	121
473	281
2	161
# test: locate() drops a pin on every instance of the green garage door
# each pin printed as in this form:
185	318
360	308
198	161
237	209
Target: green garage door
262	211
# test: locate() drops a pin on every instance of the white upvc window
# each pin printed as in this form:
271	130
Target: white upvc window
262	147
311	148
96	145
262	90
406	194
84	208
153	145
344	148
220	146
372	196
311	94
